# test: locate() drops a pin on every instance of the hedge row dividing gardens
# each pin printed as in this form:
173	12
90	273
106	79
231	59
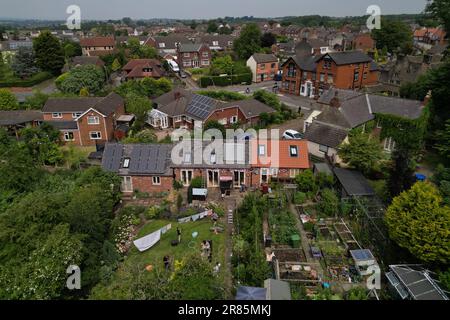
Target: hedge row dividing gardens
33	80
222	81
249	262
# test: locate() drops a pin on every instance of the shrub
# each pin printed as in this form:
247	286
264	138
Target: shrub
153	212
299	197
177	185
223	95
33	80
225	81
197	182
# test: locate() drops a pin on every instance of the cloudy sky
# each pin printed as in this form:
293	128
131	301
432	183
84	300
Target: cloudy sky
199	9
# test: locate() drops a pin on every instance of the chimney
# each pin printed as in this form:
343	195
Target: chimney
427	98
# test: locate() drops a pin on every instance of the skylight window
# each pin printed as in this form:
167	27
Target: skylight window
293	151
126	163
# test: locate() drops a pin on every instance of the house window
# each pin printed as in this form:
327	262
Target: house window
93	120
356	77
294	172
126	163
76	115
205	62
68	136
56	115
264	175
233	119
127	185
215	43
156	181
186	55
272	65
205	54
365	75
274	172
95	135
262	149
291	71
162	45
389	144
330	78
323	148
327	64
223	121
262	66
187	63
186	177
293	151
305	75
322	77
177	118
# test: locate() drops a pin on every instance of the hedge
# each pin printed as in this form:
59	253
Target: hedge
225	81
34	80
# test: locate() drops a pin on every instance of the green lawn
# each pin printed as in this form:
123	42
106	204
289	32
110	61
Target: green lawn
155	254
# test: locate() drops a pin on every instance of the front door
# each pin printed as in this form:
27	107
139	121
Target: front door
262	77
213	178
127	185
238	178
195	63
264	175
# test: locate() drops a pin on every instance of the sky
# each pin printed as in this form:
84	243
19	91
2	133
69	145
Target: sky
199	9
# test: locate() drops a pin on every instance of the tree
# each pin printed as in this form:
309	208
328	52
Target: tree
362	152
443	141
144	136
90	77
36	101
8	100
71	49
139	106
306	181
395	35
212	27
116	65
418	221
440	10
249	42
268	39
49	53
222	65
329	203
24	63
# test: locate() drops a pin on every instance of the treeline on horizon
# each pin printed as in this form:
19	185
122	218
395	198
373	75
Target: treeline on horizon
303	21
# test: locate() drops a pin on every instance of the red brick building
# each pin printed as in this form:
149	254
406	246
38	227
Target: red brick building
180	108
310	76
143	68
363	42
85	121
97	46
264	67
194	55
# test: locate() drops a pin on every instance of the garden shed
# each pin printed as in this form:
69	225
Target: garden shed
352	184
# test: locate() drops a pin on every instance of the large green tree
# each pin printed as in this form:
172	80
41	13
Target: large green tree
24	63
362	152
419	221
139	106
49	53
88	76
249	42
440	10
394	35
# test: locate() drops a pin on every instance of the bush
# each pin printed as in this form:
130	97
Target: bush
225	81
197	182
177	185
223	95
33	80
153	212
299	197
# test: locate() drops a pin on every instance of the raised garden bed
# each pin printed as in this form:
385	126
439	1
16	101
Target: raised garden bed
291	255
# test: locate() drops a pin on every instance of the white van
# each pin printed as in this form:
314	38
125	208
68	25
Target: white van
173	65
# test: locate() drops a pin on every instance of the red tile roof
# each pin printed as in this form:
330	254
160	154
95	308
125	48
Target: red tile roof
281	157
97	42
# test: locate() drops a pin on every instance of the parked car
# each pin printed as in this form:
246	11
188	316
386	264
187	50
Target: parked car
292	135
183	74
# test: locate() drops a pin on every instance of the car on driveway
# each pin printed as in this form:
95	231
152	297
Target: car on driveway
292	135
183	74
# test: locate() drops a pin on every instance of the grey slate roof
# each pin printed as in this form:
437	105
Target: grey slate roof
307	63
353	182
190	47
105	105
61	125
10	118
348	57
264	58
251	107
145	159
326	135
341	94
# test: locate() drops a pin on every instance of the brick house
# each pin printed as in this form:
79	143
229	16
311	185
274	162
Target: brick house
264	66
150	168
143	68
363	42
167	44
179	108
194	55
97	46
310	76
85	121
143	167
432	36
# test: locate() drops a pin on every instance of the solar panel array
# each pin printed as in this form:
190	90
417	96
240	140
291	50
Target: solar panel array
200	106
148	159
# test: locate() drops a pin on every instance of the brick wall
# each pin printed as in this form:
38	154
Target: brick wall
145	184
227	114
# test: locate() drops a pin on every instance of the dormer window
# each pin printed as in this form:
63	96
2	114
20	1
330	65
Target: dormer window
126	163
293	151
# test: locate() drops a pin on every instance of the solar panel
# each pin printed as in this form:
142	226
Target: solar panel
200	106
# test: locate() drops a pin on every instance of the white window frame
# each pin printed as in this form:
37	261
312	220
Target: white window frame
274	172
99	134
187	182
177	119
66	134
126	181
186	55
57	115
293	173
156	180
321	146
389	144
262	149
205	62
234	119
95	118
295	149
76	114
162	45
205	54
126	163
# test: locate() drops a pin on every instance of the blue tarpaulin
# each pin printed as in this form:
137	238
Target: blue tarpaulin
251	293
